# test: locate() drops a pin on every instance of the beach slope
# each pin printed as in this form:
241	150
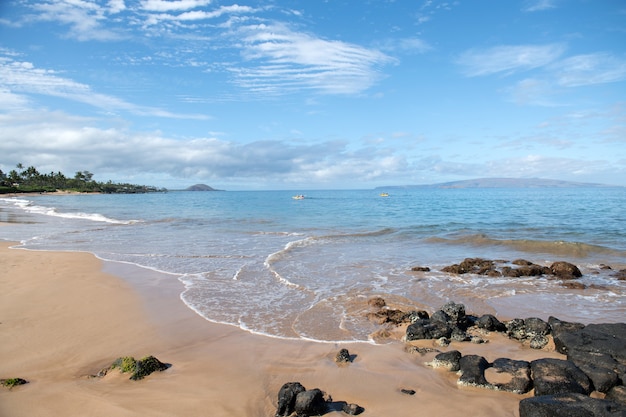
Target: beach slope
63	319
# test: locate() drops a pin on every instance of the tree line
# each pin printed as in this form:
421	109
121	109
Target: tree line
30	180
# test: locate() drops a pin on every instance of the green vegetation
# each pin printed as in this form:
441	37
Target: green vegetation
12	382
139	368
125	364
29	180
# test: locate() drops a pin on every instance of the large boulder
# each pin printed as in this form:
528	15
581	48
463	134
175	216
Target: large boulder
565	270
603	370
287	398
518	373
427	329
569	405
560	328
310	403
609	338
472	371
557	376
449	360
490	323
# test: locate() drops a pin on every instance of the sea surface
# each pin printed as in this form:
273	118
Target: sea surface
287	268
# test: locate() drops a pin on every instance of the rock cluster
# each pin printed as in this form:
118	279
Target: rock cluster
295	400
520	268
596	361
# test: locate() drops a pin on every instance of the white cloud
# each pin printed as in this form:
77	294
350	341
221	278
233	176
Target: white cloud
56	141
282	60
85	18
172	5
598	68
116	6
199	14
20	77
508	58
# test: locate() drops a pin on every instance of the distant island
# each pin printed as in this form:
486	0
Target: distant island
200	187
501	183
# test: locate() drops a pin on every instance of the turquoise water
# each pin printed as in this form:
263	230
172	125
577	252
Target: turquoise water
305	268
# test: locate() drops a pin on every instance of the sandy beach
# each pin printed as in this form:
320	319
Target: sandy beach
63	317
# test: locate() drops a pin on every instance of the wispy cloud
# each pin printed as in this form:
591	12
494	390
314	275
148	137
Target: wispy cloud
598	68
172	5
508	58
271	57
279	60
195	15
539	5
85	18
21	77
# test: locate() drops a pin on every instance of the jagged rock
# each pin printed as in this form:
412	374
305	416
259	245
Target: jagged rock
617	394
528	329
538	342
456	312
413	316
459	335
310	403
536	327
449	360
560	328
602	369
472	371
427	329
352	409
519	373
287	398
515	329
565	270
343	356
557	376
608	338
440	316
490	323
569	405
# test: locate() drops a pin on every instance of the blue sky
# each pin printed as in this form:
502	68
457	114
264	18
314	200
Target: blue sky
314	94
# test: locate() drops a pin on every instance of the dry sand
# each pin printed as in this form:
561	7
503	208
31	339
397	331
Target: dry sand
62	319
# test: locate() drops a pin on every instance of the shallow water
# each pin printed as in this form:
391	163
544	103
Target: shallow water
306	268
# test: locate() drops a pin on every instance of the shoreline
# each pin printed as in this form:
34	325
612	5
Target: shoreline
64	316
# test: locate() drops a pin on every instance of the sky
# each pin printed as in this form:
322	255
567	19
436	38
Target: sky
315	94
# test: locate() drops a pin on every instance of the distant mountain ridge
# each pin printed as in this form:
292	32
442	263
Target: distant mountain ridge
502	183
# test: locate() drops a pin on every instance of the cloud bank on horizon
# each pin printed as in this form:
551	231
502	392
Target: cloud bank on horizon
281	94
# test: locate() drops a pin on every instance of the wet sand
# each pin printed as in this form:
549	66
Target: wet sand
65	316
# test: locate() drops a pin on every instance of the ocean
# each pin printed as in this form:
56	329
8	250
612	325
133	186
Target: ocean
288	268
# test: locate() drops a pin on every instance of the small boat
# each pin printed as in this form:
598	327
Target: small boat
298	197
384	194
